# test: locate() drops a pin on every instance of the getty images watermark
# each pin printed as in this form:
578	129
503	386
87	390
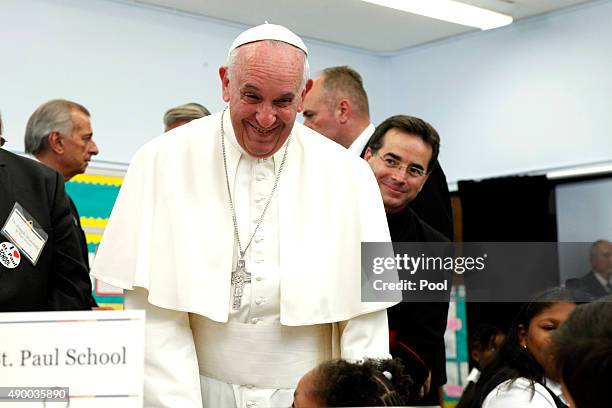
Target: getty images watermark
492	271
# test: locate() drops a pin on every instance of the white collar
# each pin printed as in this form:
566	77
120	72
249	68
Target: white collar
555	387
601	279
362	140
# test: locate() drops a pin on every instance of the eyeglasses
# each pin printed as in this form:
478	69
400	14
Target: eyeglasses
392	163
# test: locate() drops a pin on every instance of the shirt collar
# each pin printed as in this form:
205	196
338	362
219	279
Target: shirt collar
555	387
362	140
601	279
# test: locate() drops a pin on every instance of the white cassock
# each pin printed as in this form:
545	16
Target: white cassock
170	241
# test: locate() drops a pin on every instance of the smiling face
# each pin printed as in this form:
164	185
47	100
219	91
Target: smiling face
264	91
537	337
397	187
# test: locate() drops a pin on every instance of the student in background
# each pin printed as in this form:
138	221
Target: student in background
484	343
523	374
339	383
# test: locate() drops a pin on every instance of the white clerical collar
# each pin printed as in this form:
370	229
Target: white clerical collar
362	140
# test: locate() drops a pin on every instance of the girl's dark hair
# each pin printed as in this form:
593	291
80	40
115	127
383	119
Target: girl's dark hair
339	383
583	354
513	361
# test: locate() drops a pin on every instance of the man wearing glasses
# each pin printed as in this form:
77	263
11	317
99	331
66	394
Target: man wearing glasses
402	153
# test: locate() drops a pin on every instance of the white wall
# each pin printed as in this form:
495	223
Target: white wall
126	63
533	95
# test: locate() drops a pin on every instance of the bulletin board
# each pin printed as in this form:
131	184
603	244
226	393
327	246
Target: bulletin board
455	339
94	194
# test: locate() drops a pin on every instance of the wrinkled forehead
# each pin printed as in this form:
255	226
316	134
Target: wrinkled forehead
272	61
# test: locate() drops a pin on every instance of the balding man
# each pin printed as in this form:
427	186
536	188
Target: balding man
337	107
225	235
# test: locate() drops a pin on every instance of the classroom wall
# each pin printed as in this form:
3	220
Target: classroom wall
127	64
530	96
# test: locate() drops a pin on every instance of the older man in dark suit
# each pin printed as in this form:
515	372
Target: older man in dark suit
598	282
59	135
41	266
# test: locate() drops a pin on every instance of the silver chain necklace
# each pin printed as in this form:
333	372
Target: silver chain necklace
241	276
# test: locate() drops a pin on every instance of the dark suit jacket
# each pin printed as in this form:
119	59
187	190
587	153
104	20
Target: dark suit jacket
433	204
419	325
592	286
76	218
60	280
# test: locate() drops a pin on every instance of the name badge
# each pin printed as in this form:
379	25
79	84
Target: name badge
25	233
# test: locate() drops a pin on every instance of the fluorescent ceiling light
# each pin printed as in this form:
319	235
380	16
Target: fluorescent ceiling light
583	171
449	10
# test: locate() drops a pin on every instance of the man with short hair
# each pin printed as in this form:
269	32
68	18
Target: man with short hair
40	262
59	135
337	107
598	282
225	235
402	153
179	115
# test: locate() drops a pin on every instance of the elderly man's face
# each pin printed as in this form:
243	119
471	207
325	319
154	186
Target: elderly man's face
601	258
79	147
398	188
318	112
264	95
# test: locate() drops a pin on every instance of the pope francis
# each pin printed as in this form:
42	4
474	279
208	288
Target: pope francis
240	235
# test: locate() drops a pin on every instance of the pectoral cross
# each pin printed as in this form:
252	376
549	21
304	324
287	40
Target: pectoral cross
239	277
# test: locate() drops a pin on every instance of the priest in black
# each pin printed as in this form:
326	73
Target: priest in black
402	152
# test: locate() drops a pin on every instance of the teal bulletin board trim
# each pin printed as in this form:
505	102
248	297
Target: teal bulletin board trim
93	200
94	197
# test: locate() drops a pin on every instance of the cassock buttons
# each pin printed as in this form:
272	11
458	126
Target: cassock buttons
260	177
260	300
259	239
256	320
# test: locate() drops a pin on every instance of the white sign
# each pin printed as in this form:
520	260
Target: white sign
97	355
